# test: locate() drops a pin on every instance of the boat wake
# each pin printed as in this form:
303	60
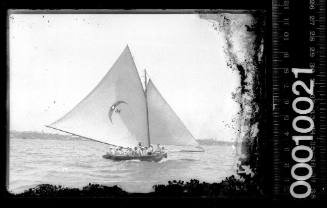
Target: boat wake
188	159
163	160
134	161
191	151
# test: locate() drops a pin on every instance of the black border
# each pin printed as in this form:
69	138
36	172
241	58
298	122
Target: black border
230	4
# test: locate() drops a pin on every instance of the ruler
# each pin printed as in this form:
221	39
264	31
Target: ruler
299	99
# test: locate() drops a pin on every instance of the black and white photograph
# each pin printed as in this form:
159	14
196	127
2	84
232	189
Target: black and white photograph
220	103
132	100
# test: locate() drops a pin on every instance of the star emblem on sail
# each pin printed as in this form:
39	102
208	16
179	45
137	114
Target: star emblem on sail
119	112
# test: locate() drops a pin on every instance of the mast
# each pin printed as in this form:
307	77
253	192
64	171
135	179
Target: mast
147	110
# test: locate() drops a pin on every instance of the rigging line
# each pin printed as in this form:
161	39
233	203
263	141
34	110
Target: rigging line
79	135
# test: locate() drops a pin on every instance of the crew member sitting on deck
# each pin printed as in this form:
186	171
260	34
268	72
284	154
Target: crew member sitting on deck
150	150
135	152
124	151
140	144
110	151
158	148
138	151
121	151
143	150
129	151
118	151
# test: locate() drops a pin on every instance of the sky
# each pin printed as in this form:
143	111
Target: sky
55	60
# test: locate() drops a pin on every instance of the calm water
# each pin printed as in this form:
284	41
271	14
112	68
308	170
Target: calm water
76	162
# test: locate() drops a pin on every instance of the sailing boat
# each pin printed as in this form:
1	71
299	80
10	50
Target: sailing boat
119	112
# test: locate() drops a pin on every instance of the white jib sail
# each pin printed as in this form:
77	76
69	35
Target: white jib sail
115	111
165	126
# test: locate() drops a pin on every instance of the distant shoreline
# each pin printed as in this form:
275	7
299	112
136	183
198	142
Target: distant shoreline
44	135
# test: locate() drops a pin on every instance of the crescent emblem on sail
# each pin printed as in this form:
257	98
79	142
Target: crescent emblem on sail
114	108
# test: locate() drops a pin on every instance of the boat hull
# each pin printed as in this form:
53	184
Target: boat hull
148	158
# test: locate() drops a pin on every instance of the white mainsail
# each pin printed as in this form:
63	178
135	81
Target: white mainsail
115	111
165	126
